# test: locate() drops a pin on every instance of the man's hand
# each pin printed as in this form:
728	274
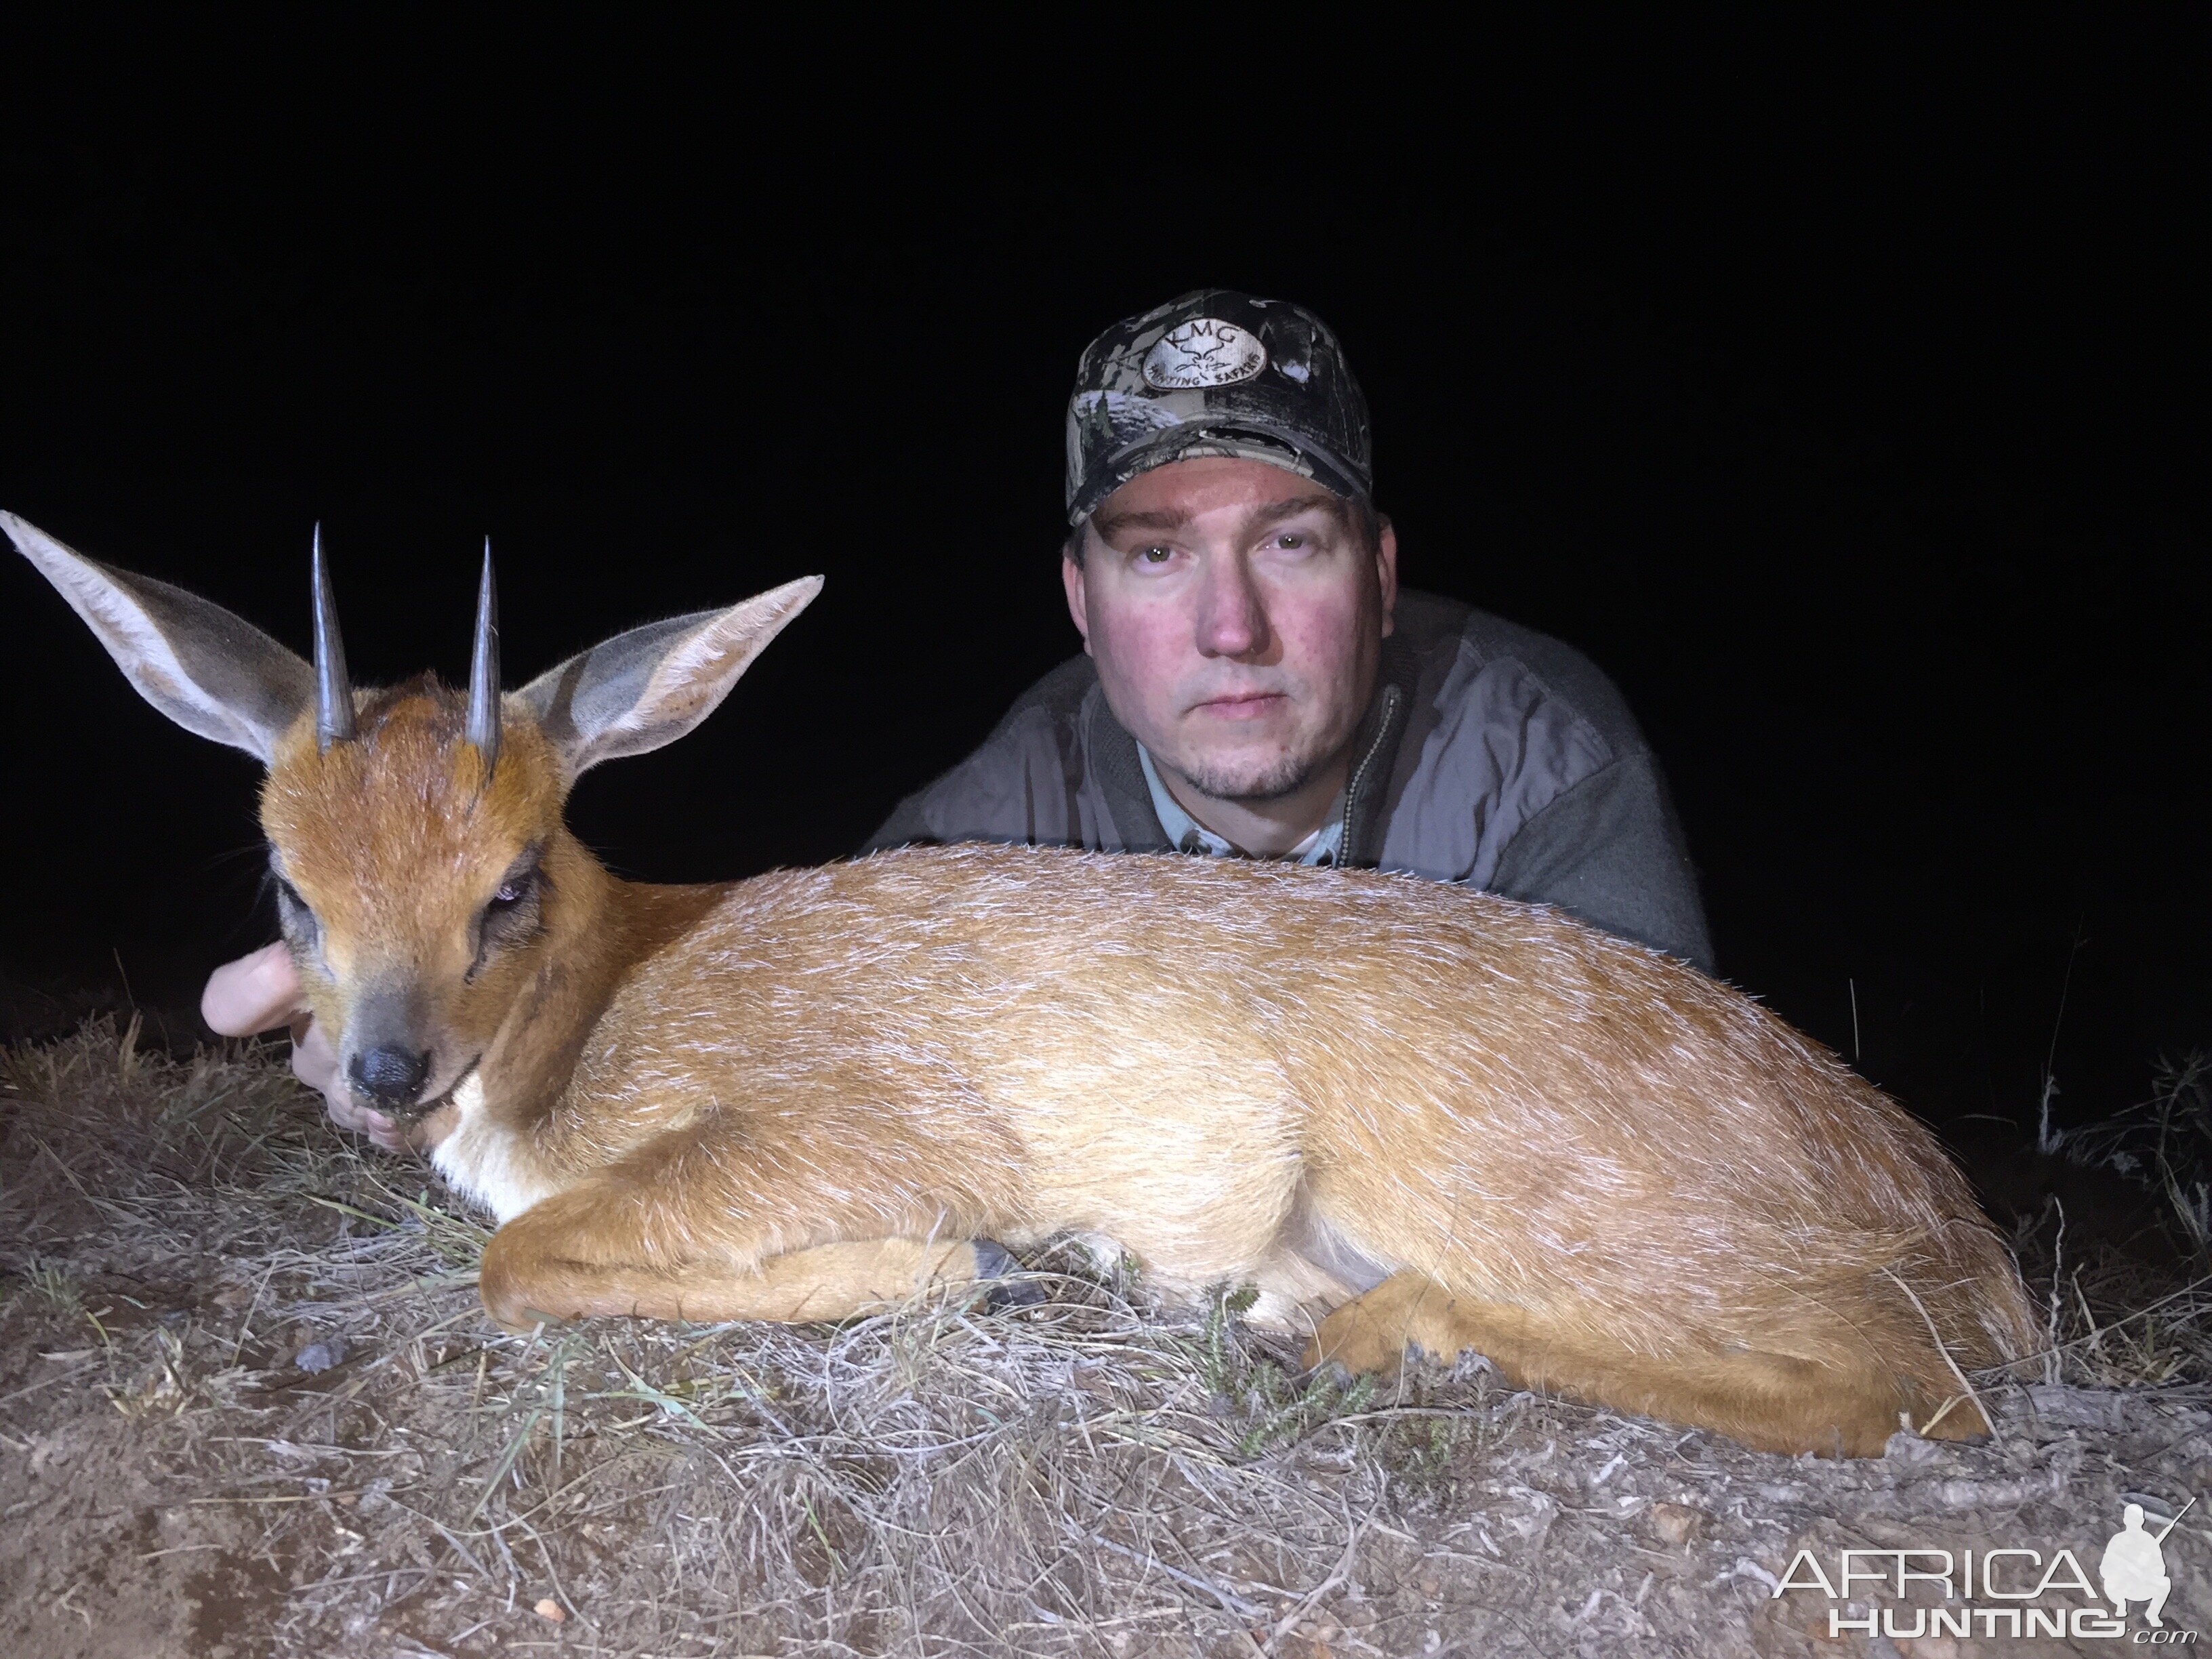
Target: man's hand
260	993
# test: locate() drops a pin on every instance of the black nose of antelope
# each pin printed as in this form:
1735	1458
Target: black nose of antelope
390	1075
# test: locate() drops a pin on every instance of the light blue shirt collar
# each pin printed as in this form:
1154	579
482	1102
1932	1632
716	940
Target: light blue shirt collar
1186	834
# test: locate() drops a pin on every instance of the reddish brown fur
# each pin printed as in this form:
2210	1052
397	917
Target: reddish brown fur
1614	1176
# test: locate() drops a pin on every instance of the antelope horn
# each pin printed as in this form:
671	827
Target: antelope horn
483	670
333	690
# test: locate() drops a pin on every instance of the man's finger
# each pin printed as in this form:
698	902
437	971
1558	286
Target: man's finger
253	994
380	1130
314	1061
260	993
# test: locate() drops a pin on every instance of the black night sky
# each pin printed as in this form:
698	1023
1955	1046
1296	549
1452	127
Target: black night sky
1843	397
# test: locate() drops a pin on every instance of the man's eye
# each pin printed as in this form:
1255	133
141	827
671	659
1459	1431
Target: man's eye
1290	539
1156	555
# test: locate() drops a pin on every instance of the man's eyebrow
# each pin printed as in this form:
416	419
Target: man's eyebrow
1165	518
1291	506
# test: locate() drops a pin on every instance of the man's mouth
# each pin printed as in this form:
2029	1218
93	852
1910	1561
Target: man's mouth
1241	705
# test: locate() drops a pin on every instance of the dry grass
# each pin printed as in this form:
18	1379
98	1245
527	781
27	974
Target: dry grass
1086	1474
2128	1297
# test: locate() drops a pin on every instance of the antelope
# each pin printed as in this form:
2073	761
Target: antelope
1410	1116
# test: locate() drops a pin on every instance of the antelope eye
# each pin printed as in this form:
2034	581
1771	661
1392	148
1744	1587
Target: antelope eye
294	911
510	917
516	887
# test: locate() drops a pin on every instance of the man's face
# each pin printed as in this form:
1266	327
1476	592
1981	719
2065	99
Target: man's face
1235	619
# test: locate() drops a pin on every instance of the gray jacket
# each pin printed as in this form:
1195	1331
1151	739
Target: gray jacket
1491	755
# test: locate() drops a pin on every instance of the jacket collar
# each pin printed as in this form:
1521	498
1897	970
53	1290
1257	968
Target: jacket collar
1375	753
1120	774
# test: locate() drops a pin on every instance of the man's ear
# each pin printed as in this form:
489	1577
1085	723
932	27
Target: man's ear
1386	574
642	690
1071	580
211	672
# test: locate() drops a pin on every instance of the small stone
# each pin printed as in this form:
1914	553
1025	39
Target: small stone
550	1610
1905	1447
1676	1523
321	1356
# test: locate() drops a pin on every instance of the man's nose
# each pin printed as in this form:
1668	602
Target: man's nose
1233	622
390	1074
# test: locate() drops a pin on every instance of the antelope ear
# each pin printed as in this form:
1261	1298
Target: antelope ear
207	670
643	689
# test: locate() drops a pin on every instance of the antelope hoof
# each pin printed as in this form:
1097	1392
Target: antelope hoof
995	1263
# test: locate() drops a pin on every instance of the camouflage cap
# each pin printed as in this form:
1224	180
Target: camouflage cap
1216	372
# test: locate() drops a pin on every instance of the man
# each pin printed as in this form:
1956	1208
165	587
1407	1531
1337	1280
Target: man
1252	683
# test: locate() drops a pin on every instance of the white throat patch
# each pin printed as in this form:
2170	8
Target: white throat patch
490	1164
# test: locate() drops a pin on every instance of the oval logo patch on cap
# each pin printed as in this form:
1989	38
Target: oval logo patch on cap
1203	352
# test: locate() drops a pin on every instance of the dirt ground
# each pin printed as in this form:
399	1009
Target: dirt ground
249	1405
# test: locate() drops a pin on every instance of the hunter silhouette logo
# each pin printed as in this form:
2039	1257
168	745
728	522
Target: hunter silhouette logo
2134	1567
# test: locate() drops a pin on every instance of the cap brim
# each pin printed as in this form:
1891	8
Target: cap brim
1241	437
